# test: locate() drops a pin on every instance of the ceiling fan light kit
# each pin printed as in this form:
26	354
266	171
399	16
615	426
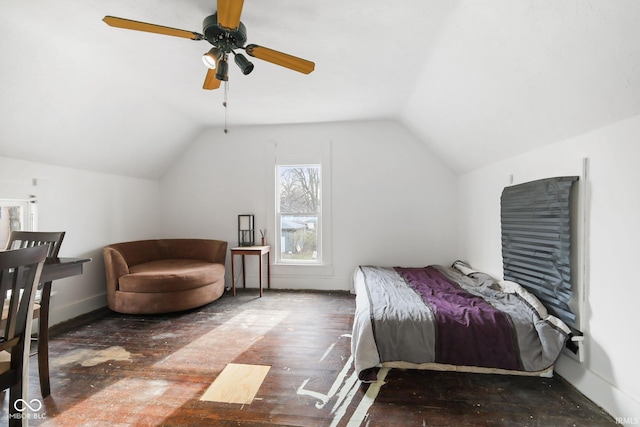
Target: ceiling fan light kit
224	31
243	63
222	71
210	58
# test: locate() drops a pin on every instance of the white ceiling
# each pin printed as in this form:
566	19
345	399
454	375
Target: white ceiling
476	80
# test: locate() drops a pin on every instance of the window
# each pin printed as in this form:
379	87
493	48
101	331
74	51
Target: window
299	214
298	218
16	214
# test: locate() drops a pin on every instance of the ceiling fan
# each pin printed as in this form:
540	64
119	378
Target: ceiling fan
224	31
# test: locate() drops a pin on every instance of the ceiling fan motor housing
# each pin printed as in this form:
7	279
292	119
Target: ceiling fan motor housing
222	38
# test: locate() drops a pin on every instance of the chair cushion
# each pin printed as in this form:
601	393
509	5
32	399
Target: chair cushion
5	312
5	361
170	275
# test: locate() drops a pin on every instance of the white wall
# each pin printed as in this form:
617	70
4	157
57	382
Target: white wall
610	374
94	209
393	202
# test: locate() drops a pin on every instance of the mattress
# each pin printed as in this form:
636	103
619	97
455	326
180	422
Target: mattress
450	318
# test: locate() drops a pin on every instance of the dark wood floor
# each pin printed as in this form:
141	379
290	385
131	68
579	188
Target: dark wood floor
124	370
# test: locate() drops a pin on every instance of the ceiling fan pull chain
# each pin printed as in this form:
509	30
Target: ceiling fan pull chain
224	104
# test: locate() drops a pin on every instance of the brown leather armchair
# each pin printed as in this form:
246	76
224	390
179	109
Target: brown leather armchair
164	275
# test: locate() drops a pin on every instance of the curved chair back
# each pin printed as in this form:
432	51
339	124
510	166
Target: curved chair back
20	271
28	239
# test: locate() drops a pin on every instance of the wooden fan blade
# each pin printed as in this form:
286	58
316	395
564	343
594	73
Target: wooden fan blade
229	12
279	58
210	81
150	28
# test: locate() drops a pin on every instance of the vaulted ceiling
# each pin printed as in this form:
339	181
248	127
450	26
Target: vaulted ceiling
475	80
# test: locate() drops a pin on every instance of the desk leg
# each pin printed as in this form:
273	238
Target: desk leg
43	341
244	278
233	276
268	272
260	273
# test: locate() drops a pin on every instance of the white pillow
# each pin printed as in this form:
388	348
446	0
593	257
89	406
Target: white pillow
463	268
514	288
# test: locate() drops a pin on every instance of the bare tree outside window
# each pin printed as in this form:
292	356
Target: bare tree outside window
299	212
299	189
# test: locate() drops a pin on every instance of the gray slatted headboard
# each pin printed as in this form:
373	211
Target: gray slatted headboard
536	241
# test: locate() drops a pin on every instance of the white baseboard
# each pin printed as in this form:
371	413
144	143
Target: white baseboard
316	283
59	314
621	406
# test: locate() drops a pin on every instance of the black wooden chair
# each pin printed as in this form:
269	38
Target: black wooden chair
53	241
19	276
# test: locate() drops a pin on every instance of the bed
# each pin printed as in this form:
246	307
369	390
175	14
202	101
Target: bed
450	318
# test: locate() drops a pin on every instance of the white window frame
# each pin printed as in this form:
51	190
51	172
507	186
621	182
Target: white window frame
278	222
29	220
296	153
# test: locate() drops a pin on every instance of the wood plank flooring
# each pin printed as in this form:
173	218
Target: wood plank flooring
122	370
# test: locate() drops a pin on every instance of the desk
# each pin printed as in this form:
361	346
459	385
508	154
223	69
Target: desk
260	251
60	268
53	269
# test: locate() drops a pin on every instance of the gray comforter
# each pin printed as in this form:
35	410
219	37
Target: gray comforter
439	315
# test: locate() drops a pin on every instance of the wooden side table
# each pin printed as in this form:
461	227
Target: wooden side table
260	251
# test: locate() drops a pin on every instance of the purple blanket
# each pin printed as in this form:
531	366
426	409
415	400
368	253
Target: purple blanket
469	331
